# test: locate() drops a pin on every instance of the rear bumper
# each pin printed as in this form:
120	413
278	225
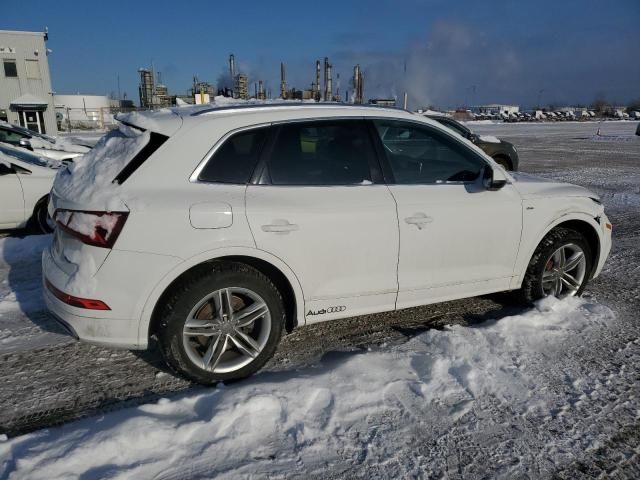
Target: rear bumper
119	333
123	282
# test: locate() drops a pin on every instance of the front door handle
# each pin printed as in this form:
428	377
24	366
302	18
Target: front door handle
419	220
280	226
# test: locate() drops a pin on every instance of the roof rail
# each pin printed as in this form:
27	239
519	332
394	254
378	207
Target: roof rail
255	106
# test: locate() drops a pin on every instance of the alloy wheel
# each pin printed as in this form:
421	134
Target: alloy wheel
564	271
227	329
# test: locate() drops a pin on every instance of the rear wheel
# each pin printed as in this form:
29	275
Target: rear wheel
223	322
560	267
40	221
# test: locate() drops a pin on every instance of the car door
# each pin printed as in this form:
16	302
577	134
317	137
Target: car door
320	207
11	198
457	238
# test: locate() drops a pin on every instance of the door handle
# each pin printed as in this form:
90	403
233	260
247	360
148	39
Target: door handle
419	220
280	226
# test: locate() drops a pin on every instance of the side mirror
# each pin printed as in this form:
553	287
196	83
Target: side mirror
25	143
493	178
473	137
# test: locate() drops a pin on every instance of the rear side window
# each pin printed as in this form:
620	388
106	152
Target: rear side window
322	153
236	159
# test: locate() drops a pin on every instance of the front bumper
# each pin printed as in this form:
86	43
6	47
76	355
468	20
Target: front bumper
605	245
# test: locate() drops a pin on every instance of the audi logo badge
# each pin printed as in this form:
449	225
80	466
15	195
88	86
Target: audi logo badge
324	311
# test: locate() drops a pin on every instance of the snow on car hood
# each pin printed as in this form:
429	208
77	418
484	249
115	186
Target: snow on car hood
533	186
489	139
88	181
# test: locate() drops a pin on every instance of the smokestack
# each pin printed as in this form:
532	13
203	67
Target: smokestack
358	87
232	66
255	88
317	92
326	77
338	86
329	95
283	83
260	90
405	100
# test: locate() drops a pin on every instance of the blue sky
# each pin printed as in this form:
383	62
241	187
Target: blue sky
455	52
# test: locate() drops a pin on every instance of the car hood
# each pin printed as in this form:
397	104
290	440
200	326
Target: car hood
532	186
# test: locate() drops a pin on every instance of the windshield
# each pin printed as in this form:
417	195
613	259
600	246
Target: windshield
454	126
30	133
23	156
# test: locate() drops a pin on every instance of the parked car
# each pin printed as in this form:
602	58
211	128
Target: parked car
213	231
41	145
503	152
25	181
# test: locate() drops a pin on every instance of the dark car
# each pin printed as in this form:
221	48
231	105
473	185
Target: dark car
501	151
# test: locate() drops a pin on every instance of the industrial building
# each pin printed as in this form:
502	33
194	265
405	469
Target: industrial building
152	94
26	96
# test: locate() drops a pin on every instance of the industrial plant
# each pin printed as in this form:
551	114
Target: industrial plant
154	94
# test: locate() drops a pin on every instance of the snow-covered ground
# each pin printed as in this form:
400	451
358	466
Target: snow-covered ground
375	407
466	389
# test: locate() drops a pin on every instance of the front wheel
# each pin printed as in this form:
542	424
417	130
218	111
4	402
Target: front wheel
560	267
223	322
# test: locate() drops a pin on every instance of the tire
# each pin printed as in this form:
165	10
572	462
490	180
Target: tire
198	297
39	221
543	271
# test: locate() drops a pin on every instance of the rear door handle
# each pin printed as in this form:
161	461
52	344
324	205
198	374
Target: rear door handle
419	220
280	226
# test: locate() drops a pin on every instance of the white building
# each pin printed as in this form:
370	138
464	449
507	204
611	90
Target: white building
496	109
26	97
84	111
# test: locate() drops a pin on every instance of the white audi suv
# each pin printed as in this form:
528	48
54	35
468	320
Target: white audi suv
214	230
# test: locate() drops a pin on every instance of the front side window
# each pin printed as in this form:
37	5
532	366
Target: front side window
10	69
236	159
322	153
421	155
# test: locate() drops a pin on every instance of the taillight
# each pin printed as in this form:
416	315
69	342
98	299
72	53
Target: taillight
100	229
74	301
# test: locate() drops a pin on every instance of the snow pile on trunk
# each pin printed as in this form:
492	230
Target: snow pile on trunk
369	409
88	180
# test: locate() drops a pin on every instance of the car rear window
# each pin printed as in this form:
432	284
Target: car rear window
236	158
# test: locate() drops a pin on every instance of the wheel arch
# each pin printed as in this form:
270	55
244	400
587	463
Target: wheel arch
274	268
505	157
580	222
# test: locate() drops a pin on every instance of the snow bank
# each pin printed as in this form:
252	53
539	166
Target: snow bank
89	179
369	408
